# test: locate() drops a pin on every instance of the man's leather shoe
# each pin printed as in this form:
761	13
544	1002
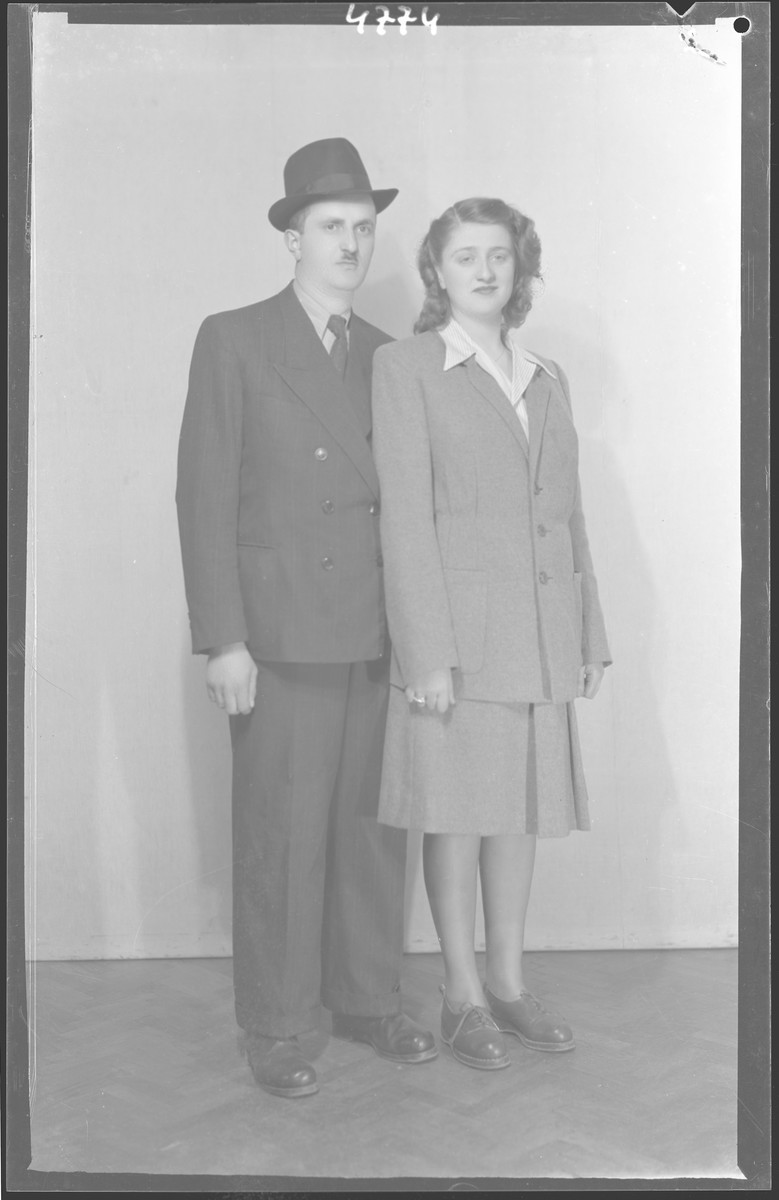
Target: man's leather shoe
527	1019
396	1037
473	1036
279	1067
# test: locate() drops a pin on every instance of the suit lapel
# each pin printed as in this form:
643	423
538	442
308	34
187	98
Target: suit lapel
494	395
304	366
537	396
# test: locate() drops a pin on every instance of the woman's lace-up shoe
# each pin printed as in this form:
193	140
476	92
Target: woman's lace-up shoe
527	1019
472	1036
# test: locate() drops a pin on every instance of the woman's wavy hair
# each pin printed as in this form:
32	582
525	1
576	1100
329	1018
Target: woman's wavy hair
436	309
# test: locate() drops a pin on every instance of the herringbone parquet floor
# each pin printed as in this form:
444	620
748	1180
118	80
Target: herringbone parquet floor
135	1068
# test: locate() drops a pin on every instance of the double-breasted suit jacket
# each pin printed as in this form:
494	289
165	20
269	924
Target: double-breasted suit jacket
278	502
487	564
278	496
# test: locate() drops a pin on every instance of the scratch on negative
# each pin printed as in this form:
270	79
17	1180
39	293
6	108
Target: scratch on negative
731	816
54	685
751	1114
177	888
689	40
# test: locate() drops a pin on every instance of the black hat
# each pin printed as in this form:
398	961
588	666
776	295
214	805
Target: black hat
323	171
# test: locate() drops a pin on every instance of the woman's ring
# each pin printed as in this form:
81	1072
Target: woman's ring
417	699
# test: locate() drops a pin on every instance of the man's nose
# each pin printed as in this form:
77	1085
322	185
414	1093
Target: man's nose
349	241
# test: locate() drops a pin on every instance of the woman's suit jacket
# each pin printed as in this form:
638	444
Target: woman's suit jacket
486	562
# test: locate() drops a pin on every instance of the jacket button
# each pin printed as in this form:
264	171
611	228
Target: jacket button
320	453
327	506
543	577
328	563
542	530
537	488
374	508
379	560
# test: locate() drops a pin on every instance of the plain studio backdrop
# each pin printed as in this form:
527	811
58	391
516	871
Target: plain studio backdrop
157	152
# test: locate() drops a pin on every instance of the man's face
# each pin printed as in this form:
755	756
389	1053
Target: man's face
335	247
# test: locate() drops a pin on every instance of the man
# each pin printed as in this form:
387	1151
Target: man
278	504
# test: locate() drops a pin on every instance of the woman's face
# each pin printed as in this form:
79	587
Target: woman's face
477	271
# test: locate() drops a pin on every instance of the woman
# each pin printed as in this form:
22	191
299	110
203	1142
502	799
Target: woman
493	612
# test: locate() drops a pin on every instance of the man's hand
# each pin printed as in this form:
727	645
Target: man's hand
231	678
434	691
590	679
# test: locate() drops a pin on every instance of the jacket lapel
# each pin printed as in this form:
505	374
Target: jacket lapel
304	366
537	396
495	396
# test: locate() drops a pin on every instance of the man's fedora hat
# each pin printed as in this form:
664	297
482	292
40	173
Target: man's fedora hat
324	170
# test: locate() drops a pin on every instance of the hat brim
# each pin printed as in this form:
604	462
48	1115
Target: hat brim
279	213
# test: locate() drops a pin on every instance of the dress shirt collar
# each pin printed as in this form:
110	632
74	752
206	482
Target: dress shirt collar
319	308
460	346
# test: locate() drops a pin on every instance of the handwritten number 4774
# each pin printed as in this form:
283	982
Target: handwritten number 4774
402	21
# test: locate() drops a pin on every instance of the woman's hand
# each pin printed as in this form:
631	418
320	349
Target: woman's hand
590	679
434	691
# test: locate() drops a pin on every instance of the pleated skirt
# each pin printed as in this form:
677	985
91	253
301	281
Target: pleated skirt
483	768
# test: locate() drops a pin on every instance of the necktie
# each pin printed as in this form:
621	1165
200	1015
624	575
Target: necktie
339	348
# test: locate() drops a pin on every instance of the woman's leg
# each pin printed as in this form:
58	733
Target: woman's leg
450	864
506	867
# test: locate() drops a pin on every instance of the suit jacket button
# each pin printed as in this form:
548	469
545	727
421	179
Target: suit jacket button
542	530
537	488
320	453
327	506
328	563
374	508
543	577
379	560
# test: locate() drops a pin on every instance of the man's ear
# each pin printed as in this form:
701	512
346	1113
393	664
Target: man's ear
292	242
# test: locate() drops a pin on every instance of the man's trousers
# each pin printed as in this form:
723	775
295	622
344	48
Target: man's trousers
317	882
